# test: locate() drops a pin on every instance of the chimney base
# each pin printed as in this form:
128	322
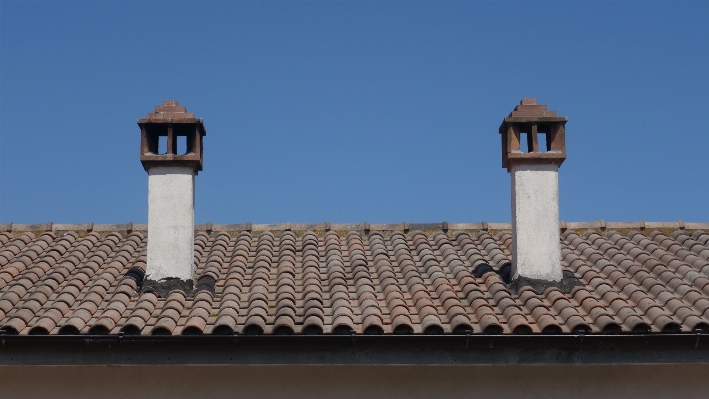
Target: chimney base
163	287
565	285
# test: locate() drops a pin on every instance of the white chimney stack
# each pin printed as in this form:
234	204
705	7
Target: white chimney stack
533	148
171	175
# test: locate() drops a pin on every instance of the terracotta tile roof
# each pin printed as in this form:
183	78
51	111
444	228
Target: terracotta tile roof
438	278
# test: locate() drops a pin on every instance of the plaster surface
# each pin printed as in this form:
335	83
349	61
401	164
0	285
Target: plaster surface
536	252
170	223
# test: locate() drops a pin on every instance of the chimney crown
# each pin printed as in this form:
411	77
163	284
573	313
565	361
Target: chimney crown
532	120
172	121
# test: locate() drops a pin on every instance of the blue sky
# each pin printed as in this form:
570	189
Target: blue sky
353	111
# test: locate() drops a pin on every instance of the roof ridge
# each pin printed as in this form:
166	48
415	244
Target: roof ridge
326	226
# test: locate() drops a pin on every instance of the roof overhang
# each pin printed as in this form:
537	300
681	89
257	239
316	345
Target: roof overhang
354	349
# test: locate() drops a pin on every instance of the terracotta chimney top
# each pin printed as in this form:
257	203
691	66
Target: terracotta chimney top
170	110
172	121
532	120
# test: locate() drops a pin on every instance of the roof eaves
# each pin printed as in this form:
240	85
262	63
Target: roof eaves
355	349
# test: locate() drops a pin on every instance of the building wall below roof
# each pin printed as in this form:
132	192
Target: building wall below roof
597	381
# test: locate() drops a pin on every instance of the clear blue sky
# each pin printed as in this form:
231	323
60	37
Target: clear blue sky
353	111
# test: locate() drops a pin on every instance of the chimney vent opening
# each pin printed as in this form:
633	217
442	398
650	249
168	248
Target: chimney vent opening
523	142
162	145
185	136
543	140
181	145
528	139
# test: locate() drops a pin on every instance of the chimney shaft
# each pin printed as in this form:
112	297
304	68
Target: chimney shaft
535	222
171	189
534	172
170	222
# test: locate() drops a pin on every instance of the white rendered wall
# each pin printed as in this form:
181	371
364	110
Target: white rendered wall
536	252
170	222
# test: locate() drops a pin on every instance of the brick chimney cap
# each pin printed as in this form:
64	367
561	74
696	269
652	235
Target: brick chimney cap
169	111
528	108
533	119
